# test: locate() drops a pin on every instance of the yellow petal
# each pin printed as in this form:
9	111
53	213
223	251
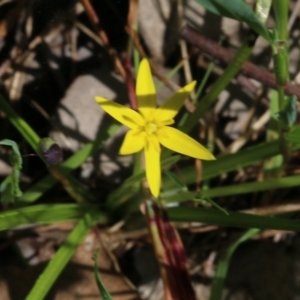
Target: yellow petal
133	142
152	165
123	114
180	142
169	109
145	89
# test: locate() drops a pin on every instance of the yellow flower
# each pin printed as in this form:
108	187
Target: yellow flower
149	126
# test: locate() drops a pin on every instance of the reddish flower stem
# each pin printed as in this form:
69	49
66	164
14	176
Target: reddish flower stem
129	80
171	255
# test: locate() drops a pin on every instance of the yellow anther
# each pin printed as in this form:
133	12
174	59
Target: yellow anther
150	128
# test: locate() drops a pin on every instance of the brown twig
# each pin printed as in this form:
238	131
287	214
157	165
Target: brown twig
103	36
218	52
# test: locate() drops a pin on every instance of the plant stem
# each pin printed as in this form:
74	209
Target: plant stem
280	54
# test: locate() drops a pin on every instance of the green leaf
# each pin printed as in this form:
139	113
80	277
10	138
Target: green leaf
213	203
179	195
230	162
235	219
61	258
179	184
9	188
294	135
251	187
8	192
26	131
17	159
235	189
222	268
288	115
46	214
238	10
104	293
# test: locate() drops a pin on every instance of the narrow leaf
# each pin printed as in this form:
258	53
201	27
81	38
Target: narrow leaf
238	10
235	189
104	293
235	219
9	187
46	214
288	115
294	135
179	184
61	258
230	162
222	268
213	203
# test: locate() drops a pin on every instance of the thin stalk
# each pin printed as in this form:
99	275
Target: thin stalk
280	55
158	246
281	15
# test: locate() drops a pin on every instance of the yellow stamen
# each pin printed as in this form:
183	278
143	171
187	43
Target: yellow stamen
150	128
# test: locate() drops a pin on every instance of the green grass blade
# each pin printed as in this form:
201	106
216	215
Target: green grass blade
46	214
221	209
9	188
61	258
288	115
104	293
238	10
235	189
212	216
251	187
13	144
26	131
222	268
294	135
231	162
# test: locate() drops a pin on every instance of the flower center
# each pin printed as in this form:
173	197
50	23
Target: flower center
150	128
